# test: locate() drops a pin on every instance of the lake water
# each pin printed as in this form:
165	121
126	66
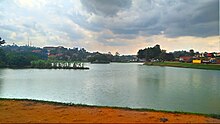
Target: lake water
118	84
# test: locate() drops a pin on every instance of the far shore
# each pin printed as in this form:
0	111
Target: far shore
185	65
33	111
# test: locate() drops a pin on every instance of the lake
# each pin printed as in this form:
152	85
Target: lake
118	84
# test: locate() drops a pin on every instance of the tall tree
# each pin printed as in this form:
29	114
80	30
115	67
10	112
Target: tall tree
191	52
150	53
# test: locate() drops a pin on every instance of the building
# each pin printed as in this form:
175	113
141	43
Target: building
59	49
197	61
209	55
186	58
36	51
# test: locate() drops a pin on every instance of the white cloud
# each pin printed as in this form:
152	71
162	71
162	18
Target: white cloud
13	35
122	27
31	4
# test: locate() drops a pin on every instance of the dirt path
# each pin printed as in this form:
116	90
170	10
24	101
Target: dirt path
37	112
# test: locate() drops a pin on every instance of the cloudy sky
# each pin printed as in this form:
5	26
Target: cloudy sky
112	25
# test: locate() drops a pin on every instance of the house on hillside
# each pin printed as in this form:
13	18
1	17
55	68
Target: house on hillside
186	58
58	50
209	55
36	51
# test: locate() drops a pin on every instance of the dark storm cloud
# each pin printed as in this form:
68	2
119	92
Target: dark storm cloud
174	17
82	21
193	19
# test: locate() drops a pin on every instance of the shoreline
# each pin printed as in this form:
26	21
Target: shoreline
70	68
184	65
87	113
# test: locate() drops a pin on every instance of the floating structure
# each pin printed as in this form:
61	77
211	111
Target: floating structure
44	64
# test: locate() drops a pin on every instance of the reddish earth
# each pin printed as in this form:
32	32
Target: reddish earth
16	111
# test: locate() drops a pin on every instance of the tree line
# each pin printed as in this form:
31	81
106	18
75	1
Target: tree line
17	58
155	53
22	56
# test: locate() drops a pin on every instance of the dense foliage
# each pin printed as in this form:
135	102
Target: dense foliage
150	53
15	56
2	58
155	53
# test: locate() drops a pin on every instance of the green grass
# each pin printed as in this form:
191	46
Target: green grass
217	116
185	65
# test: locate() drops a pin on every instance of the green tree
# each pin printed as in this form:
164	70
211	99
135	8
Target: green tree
2	58
150	53
191	52
141	54
15	59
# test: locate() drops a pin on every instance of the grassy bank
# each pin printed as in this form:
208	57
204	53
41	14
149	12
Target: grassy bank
185	65
217	116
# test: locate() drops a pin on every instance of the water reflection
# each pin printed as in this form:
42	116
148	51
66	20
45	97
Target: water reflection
130	85
149	84
1	81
